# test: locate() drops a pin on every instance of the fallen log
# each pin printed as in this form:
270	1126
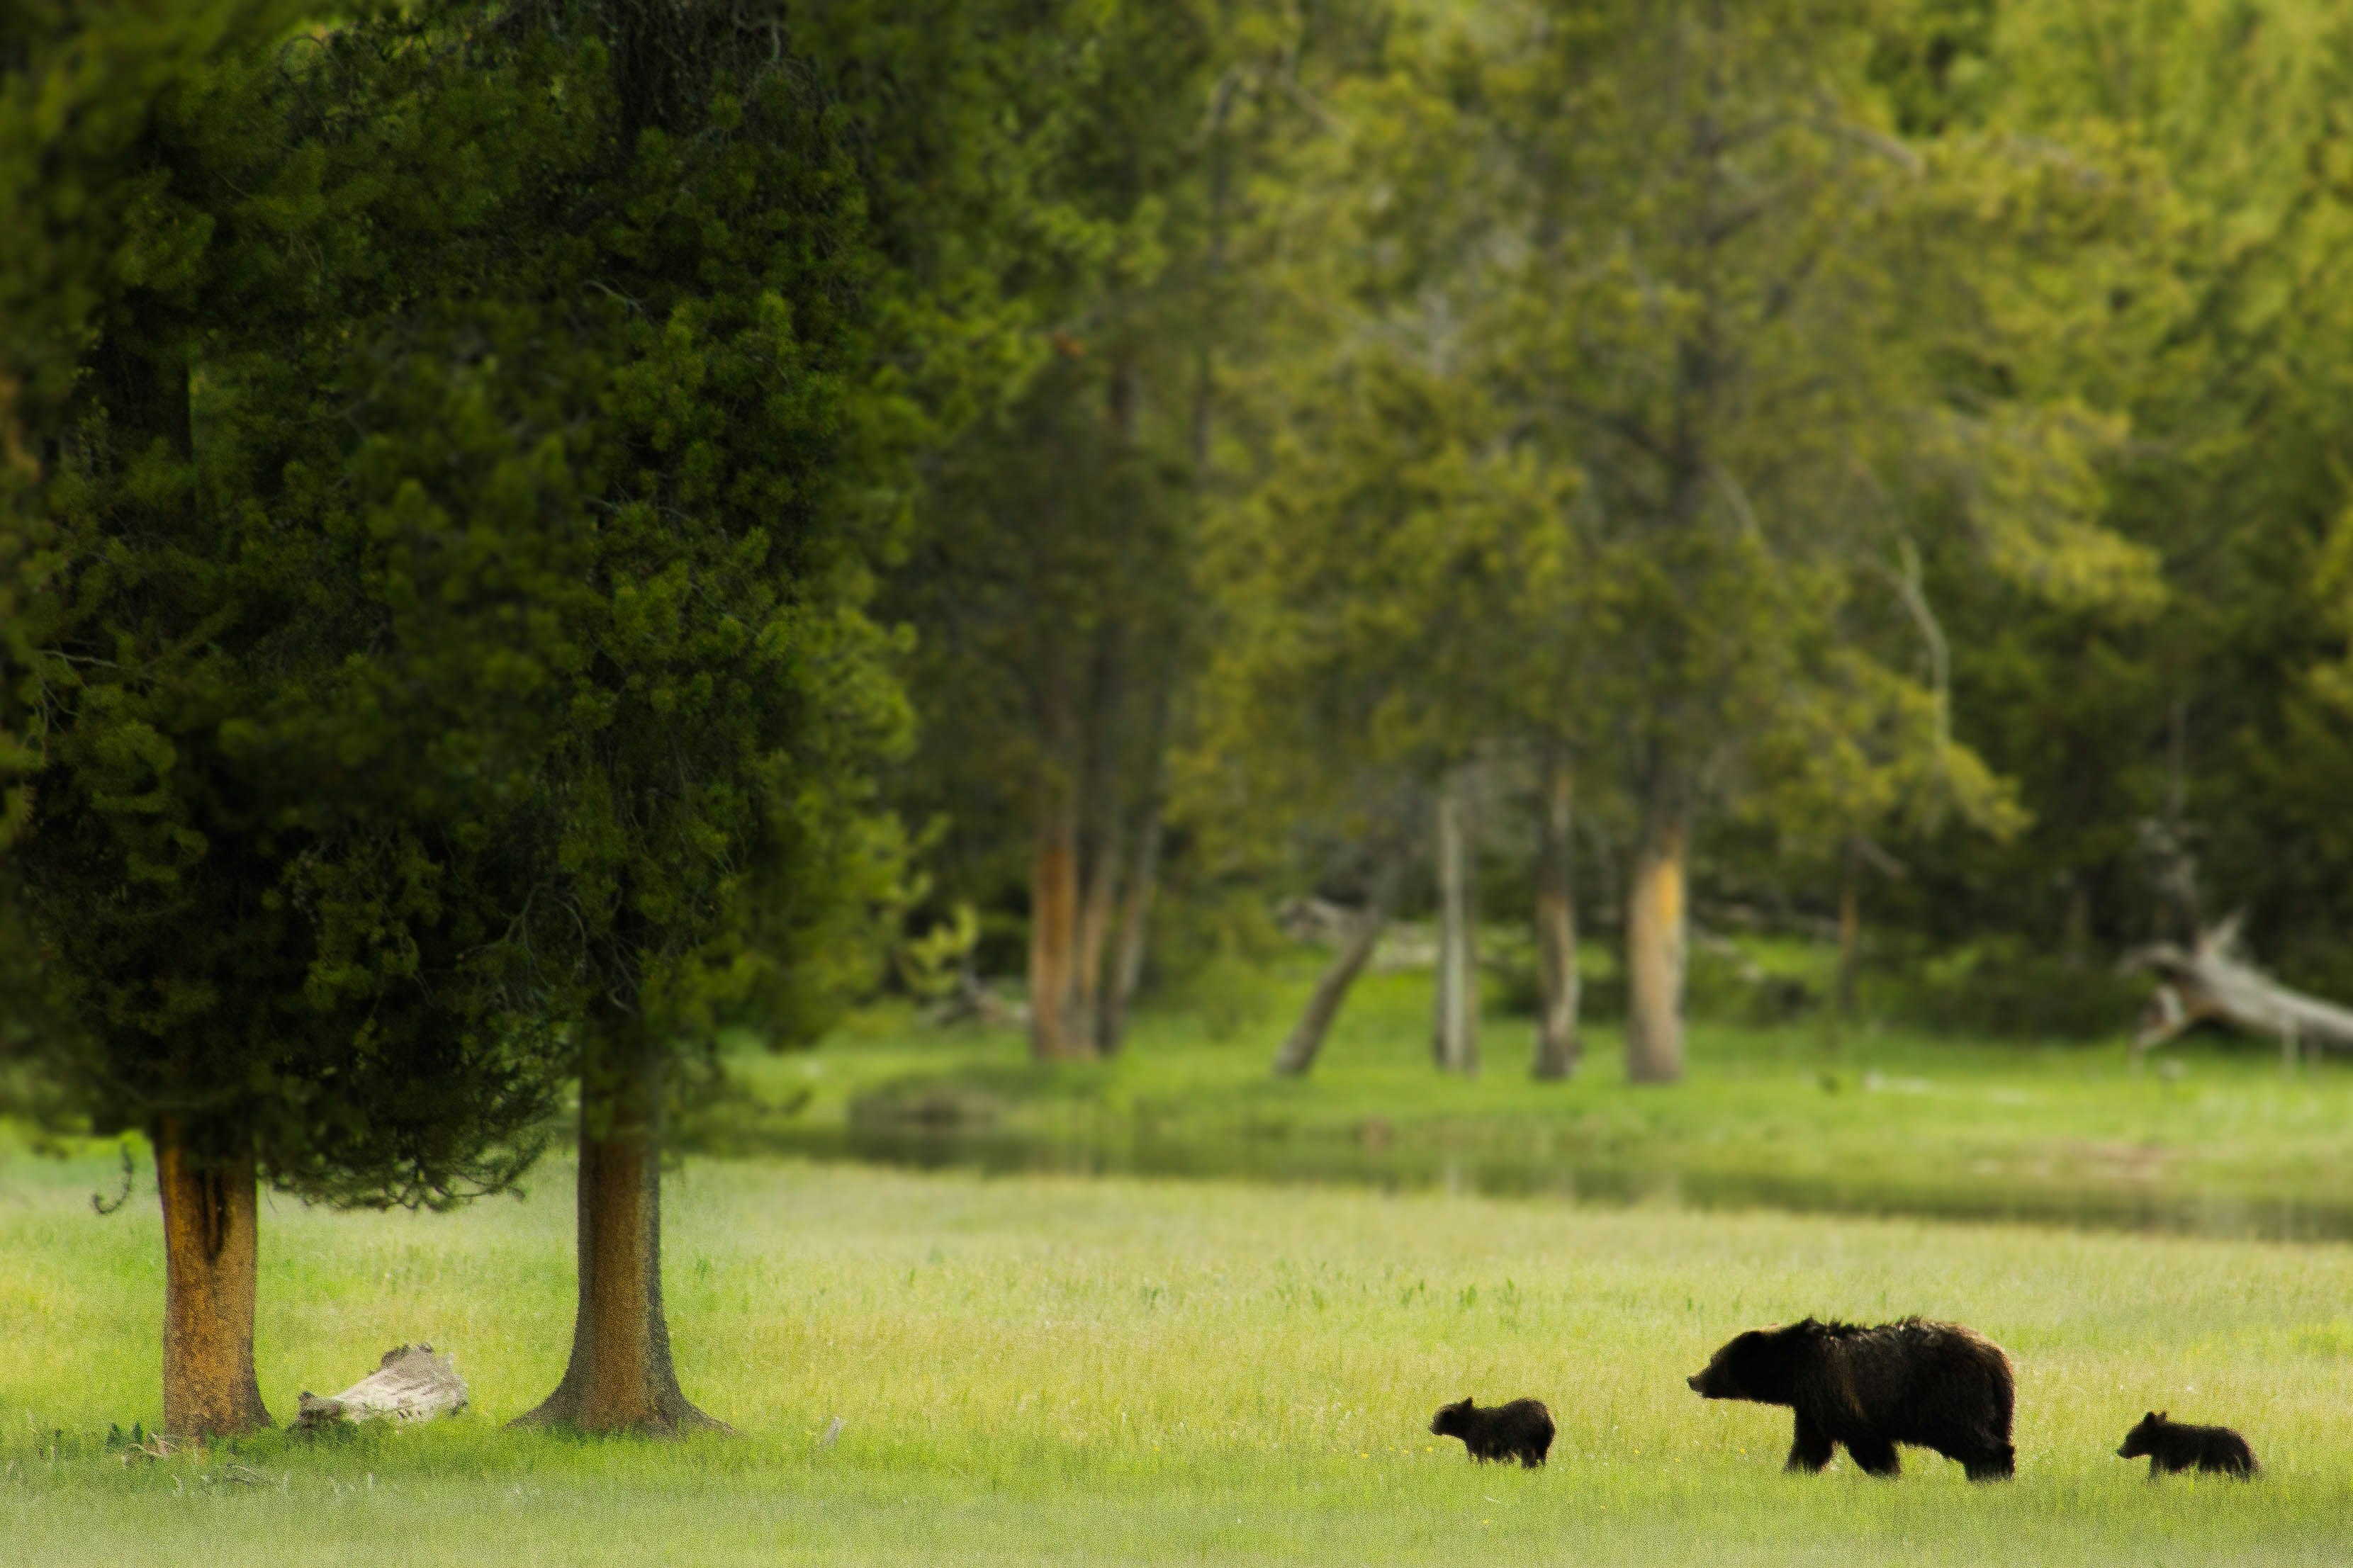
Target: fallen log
972	1001
411	1383
2213	982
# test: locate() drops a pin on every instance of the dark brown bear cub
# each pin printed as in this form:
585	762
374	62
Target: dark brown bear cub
1521	1430
2174	1445
1935	1386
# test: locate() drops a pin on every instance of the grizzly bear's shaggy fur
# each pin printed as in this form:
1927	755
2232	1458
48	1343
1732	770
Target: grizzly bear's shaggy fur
1938	1386
2177	1446
1521	1430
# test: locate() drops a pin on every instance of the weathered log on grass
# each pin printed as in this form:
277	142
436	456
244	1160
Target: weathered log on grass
972	1001
2212	983
411	1383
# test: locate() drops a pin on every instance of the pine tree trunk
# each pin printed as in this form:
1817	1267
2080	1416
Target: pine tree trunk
2075	941
1098	907
1135	929
211	1256
1655	939
1107	779
1556	1043
1850	926
619	1377
1306	1041
1454	1032
1054	889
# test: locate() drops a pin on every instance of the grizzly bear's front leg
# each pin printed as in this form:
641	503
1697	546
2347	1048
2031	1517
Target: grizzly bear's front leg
1811	1448
1875	1455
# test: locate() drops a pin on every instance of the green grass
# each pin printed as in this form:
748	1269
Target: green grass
1043	1370
1859	1121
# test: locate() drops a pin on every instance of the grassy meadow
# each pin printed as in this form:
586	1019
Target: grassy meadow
1041	1369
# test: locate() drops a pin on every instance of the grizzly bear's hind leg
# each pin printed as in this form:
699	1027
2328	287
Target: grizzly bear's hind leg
1811	1449
1875	1455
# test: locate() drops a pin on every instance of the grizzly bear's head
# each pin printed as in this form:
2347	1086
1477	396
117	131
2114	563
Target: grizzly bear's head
1452	1420
2141	1441
1758	1366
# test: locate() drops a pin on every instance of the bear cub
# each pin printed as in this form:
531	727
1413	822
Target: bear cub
1935	1386
1521	1430
2173	1446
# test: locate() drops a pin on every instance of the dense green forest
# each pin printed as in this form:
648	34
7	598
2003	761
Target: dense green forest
536	533
1870	466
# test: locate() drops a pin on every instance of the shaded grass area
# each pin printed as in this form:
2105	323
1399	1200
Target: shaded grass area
1033	1369
1803	1115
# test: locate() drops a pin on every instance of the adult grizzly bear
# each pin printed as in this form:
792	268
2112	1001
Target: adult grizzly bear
1938	1386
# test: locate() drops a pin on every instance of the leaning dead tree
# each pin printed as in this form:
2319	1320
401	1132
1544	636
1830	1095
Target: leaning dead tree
1362	935
411	1383
2212	983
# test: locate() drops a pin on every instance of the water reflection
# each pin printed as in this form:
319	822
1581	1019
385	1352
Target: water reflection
1501	1172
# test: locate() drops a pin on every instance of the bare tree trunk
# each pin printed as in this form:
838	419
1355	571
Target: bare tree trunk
1053	922
1054	882
1656	920
1850	924
211	1261
1454	1033
2076	938
1134	927
1098	905
1556	1043
619	1377
1301	1046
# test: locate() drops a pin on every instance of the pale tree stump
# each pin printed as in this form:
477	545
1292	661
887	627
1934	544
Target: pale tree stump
411	1383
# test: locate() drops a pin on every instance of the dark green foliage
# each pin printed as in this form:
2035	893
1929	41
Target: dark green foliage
461	486
2185	763
1051	589
2002	986
645	361
270	872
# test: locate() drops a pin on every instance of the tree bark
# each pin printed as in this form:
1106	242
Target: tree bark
1850	924
1454	1033
1055	891
2075	936
1134	927
1556	1042
1656	922
1301	1046
211	1257
619	1377
1098	908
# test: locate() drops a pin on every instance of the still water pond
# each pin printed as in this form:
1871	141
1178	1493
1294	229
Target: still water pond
1507	1172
